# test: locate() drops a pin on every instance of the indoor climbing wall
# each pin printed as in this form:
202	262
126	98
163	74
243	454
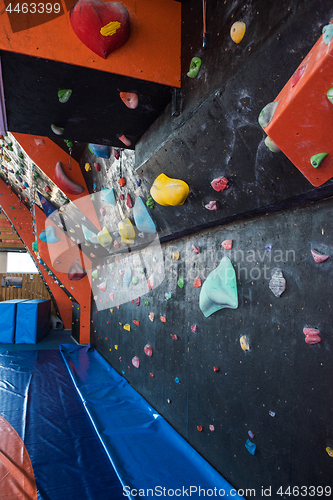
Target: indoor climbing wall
247	386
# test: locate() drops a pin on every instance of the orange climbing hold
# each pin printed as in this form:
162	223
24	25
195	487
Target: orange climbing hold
197	282
130	99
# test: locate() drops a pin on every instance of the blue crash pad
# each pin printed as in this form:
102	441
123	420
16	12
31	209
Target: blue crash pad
145	451
8	320
32	321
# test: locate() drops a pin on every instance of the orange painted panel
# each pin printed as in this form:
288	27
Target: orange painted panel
303	118
21	219
46	157
58	257
152	52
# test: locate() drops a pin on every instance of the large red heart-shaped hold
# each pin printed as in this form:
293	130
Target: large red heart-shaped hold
102	27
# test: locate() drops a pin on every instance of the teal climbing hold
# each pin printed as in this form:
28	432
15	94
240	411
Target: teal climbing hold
107	195
127	276
89	235
327	33
100	150
219	290
266	114
195	65
329	94
142	218
317	159
167	295
49	235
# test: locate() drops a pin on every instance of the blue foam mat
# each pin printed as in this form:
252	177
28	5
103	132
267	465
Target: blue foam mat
38	398
148	455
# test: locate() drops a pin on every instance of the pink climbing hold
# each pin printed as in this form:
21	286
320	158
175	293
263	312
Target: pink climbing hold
211	205
173	336
121	197
97	167
102	211
227	244
129	201
220	183
136	362
194	328
319	257
130	99
148	350
116	244
102	287
137	301
111	296
125	140
195	249
211	428
297	76
311	335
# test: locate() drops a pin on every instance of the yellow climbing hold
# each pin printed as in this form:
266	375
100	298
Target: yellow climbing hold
87	167
104	238
127	327
126	231
116	347
111	310
175	255
120	324
329	451
110	29
169	192
237	31
244	343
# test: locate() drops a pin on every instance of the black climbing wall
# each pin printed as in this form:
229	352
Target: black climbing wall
280	373
94	113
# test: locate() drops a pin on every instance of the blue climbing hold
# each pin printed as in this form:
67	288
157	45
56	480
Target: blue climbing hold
100	150
49	235
142	217
251	447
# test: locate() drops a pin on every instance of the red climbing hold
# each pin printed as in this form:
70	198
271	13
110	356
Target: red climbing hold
125	140
111	296
122	181
47	189
136	322
121	197
194	328
137	301
148	350
195	249
151	374
97	167
163	319
129	201
116	153
216	368
227	244
199	427
197	282
220	183
173	336
150	282
130	99
102	287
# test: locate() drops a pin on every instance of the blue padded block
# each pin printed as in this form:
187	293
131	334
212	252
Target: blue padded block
8	320
32	321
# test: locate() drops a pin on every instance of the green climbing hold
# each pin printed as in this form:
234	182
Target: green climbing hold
195	65
36	175
167	295
329	94
135	280
12	208
271	145
110	267
35	246
142	270
181	282
69	143
266	114
20	155
146	302
94	274
220	289
64	95
57	130
317	159
150	202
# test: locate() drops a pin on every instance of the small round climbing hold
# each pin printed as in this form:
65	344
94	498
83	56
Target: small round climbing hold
250	433
151	374
97	167
212	205
175	255
122	181
317	159
227	244
130	99
216	369
244	343
237	31
211	428
64	95
271	145
163	319
177	380
199	427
